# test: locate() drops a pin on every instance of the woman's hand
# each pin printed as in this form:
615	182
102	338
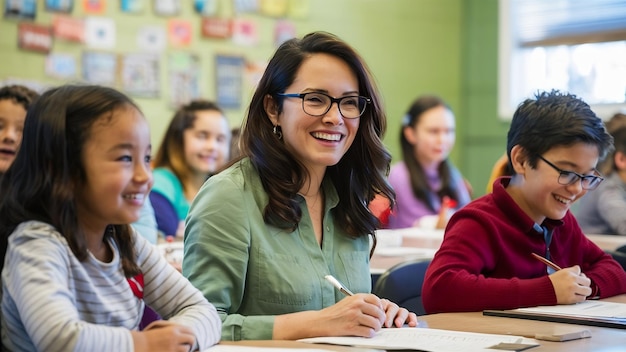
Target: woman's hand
358	315
396	316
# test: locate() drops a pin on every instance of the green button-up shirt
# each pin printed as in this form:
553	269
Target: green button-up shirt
252	271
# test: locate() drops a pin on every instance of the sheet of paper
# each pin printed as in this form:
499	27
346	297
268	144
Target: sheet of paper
426	253
597	309
233	348
425	339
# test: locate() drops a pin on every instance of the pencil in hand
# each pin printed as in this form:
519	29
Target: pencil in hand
546	262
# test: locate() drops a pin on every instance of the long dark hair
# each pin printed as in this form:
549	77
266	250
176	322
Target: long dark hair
358	176
171	152
419	183
41	182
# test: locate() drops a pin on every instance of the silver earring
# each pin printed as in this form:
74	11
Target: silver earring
278	132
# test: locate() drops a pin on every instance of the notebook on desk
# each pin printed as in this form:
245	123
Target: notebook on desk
592	313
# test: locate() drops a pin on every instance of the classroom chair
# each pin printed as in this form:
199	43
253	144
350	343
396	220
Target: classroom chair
619	256
402	284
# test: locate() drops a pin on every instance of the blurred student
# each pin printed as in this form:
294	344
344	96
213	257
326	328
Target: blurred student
426	183
195	145
262	234
14	102
76	275
235	150
486	259
603	211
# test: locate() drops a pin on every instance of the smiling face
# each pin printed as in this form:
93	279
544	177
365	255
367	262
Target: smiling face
538	192
12	117
207	142
318	142
116	161
432	136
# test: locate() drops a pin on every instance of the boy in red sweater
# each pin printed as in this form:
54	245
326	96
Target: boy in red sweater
485	261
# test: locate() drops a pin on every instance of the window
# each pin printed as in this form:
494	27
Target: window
578	46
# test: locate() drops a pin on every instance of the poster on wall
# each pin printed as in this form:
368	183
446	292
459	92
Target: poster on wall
140	75
166	7
100	32
68	28
61	66
283	31
20	9
151	38
184	74
94	7
99	68
245	32
179	32
34	37
64	6
228	78
132	6
216	28
206	7
274	8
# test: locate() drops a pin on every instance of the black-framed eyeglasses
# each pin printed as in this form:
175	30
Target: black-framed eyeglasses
588	182
317	104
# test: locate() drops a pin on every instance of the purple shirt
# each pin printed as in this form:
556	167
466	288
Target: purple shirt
408	208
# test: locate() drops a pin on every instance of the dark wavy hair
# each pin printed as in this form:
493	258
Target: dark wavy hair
554	119
41	182
419	182
361	172
171	152
18	94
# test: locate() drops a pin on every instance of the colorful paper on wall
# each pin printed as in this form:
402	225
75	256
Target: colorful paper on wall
218	28
132	6
166	7
243	6
65	6
68	28
100	32
179	32
61	66
274	8
151	38
184	73
20	9
229	77
206	7
140	75
245	32
94	7
99	68
34	37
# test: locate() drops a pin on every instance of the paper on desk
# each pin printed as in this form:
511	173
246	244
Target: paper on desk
589	309
238	348
426	340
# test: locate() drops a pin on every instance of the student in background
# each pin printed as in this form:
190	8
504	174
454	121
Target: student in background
486	259
262	234
76	274
235	151
14	102
426	183
603	211
195	145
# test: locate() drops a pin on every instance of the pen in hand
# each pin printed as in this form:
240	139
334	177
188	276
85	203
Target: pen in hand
546	262
338	285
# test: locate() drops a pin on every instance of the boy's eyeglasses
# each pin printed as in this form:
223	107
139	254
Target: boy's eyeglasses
588	182
317	104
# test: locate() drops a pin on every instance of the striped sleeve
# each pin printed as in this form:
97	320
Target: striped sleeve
172	296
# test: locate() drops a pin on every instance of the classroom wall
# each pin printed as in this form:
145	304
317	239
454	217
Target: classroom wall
444	47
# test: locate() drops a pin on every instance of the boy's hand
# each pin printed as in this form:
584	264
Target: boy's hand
570	285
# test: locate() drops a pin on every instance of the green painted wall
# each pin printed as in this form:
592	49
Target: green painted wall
445	47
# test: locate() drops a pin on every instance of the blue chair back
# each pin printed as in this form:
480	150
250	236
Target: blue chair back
402	284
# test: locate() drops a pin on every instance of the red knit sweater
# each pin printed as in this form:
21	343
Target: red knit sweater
485	259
